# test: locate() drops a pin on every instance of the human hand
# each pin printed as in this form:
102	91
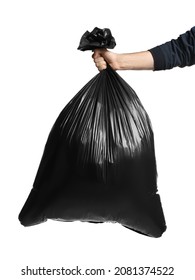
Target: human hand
102	56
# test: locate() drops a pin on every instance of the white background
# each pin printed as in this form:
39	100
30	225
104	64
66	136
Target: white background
41	70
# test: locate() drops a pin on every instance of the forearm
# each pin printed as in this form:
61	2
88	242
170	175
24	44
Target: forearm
135	61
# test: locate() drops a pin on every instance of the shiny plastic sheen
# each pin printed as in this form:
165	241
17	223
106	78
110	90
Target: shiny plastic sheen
99	162
97	38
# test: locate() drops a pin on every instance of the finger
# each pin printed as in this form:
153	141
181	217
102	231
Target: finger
101	65
99	59
96	54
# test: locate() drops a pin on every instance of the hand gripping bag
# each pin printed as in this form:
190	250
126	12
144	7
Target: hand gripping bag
99	161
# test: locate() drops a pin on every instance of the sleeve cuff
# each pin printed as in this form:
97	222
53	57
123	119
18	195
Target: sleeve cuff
159	60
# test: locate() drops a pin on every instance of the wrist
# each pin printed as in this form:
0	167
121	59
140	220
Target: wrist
123	62
118	62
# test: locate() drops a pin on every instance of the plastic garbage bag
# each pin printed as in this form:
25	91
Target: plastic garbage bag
99	161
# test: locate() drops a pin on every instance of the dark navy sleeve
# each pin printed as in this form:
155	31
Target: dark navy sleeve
177	52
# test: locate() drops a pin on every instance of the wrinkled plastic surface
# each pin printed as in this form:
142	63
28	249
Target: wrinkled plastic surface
97	38
99	162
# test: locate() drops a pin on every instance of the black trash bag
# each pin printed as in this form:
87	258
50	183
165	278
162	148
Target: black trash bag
98	38
99	162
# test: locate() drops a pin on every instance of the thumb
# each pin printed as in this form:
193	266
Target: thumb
98	53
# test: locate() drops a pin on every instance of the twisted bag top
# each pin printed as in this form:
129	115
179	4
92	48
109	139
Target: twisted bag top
99	161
